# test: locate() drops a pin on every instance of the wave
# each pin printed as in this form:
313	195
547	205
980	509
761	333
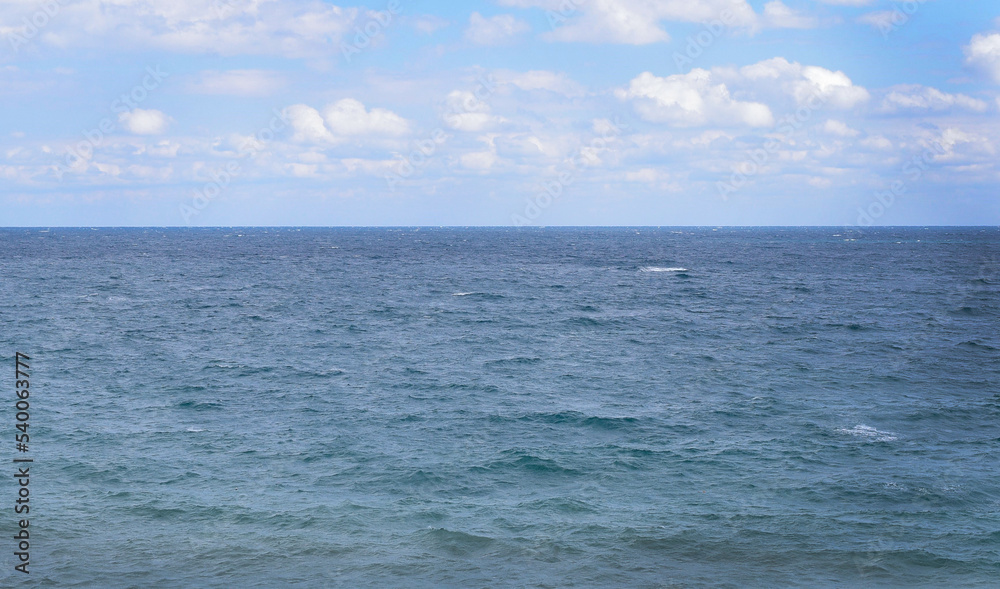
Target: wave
478	295
573	418
457	542
661	269
200	405
868	432
520	461
976	346
513	360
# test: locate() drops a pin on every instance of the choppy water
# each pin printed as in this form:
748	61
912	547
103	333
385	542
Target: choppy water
506	408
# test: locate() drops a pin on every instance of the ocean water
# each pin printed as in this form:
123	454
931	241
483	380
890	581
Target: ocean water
505	407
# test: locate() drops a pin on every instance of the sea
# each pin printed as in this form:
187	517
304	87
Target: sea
504	407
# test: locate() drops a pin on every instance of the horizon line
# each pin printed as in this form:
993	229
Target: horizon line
842	227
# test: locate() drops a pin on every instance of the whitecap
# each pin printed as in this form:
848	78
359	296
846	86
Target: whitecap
659	269
870	433
463	294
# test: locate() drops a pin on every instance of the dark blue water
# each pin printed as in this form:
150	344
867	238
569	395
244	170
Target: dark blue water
506	408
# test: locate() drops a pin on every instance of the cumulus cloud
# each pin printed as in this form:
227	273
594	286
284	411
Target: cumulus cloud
960	144
429	24
496	30
478	160
914	97
839	128
290	28
634	22
778	15
556	82
237	83
638	22
347	118
144	122
465	112
882	20
692	100
983	52
807	83
876	142
307	124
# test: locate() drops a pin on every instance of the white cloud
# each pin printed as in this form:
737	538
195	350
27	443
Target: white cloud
496	30
806	83
167	149
288	28
637	22
633	22
150	173
771	69
652	176
847	2
237	83
914	97
478	160
465	112
778	15
298	170
882	20
348	117
144	122
342	120
429	24
971	143
557	82
692	100
307	124
839	128
877	142
481	160
371	167
708	137
983	52
835	87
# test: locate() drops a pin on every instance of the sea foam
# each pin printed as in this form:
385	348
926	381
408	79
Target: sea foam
868	432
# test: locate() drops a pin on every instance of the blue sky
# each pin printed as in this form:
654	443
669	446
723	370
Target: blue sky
505	112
